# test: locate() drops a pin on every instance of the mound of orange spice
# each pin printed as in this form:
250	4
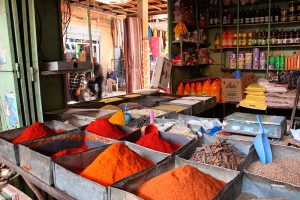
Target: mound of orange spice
182	183
114	164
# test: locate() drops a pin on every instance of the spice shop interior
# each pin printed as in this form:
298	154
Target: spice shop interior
149	99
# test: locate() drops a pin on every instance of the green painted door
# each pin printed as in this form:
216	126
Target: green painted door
10	81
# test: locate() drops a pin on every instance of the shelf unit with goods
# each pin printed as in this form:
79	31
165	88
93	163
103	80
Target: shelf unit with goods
263	37
185	50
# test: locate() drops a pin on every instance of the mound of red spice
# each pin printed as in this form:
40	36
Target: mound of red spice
35	131
182	183
115	163
104	128
71	151
152	140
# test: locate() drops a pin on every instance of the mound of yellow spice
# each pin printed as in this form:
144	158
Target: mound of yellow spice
182	183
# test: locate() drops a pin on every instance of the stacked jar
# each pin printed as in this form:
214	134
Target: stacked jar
241	60
248	60
262	60
232	60
256	60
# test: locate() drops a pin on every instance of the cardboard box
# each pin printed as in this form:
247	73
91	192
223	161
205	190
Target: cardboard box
161	74
233	88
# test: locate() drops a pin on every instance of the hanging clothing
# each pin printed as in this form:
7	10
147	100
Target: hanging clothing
156	45
150	34
118	32
133	53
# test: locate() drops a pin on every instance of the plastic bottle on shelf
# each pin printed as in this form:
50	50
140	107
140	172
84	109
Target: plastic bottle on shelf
187	89
206	88
199	89
217	41
224	39
229	39
215	90
193	89
282	62
276	62
180	89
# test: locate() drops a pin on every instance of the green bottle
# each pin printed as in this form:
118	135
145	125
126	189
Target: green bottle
276	62
282	62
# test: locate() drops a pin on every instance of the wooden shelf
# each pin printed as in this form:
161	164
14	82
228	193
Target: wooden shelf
251	47
262	70
253	25
183	41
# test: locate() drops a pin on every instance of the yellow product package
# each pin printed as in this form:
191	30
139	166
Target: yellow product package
255	88
255	93
255	98
251	104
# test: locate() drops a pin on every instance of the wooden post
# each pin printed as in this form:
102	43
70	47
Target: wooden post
142	13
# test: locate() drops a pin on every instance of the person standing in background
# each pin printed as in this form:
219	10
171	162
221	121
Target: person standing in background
76	83
97	79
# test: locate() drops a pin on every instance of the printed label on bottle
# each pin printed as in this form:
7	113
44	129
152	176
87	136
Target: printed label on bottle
266	19
252	20
257	19
297	40
276	18
279	41
284	41
234	21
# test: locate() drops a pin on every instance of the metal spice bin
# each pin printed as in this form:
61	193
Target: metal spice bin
240	145
174	138
35	156
131	132
187	111
127	186
67	180
260	187
246	124
278	152
87	104
10	151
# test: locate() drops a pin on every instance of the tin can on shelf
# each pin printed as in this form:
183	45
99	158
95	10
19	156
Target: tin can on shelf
284	15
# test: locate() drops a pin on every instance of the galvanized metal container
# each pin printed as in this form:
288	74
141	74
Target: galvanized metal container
174	138
35	156
187	111
87	104
246	124
125	188
209	102
240	145
187	118
94	114
131	132
67	180
149	101
260	187
10	151
277	152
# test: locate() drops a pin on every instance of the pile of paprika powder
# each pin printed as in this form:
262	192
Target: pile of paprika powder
35	131
103	127
152	140
182	183
71	151
115	163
